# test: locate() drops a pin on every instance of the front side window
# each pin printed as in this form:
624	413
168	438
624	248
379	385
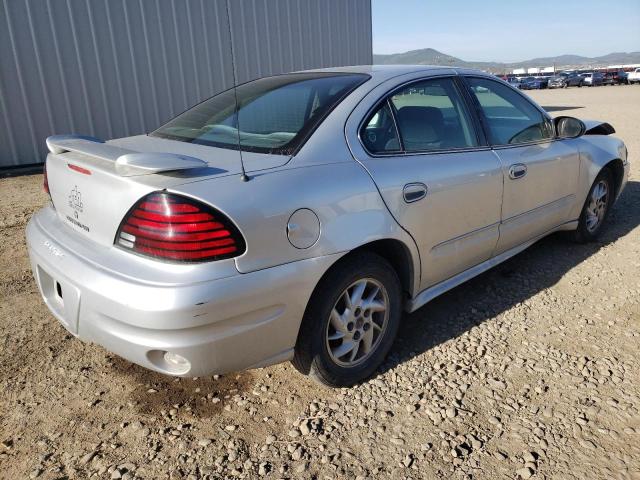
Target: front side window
510	118
272	114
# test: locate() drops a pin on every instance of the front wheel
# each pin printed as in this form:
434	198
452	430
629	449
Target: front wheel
596	208
350	322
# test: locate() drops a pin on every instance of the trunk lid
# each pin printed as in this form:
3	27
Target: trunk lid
94	184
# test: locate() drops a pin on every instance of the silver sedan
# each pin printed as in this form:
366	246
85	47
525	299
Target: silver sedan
297	216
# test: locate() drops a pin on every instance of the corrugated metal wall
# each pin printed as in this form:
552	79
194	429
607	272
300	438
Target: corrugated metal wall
112	68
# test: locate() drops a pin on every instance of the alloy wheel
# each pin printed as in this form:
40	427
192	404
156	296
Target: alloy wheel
357	322
597	207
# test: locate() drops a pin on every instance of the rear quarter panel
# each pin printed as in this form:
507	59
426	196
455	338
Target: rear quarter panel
342	195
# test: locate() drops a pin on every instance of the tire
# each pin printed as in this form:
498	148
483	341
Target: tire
319	345
586	231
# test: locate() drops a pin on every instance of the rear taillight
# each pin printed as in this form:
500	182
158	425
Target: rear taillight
177	228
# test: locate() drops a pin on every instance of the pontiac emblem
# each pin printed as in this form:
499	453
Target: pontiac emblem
75	200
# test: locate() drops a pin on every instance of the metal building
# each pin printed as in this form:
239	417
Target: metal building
113	68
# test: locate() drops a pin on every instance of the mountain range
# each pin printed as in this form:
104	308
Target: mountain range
430	56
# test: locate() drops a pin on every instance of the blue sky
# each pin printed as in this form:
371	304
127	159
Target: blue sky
506	31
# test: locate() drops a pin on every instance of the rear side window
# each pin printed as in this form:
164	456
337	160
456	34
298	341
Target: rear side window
272	114
429	115
432	116
510	118
379	133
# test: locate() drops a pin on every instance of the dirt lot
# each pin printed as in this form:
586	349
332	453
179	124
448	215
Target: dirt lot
531	370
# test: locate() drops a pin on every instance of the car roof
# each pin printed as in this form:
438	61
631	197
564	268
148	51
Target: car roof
384	72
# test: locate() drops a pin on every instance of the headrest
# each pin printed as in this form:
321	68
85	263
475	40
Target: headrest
420	127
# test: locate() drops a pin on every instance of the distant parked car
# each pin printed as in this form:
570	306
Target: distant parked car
533	83
620	77
593	79
614	78
558	81
633	77
515	81
607	78
566	79
574	80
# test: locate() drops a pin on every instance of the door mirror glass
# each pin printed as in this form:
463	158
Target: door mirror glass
569	127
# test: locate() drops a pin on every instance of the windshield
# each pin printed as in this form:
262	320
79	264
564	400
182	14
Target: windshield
274	114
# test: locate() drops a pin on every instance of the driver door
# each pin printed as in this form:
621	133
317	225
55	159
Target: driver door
540	172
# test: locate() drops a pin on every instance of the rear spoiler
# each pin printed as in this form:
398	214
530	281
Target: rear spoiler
595	127
128	163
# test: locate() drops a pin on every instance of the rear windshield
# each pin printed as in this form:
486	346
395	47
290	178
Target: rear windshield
273	114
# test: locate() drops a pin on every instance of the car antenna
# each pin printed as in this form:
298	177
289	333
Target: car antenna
244	177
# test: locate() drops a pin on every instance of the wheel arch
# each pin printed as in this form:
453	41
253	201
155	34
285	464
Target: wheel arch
396	252
598	152
400	258
616	166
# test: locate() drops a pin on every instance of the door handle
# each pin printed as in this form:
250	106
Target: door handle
517	170
412	192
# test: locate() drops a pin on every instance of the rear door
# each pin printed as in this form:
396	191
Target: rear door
427	156
540	172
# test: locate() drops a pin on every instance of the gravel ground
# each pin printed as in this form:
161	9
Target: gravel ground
530	370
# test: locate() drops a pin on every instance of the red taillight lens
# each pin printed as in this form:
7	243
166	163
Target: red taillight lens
173	227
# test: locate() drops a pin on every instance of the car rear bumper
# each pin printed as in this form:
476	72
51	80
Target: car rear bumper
232	323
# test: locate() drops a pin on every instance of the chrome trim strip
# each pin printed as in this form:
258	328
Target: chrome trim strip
400	154
465	236
526	144
561	202
432	292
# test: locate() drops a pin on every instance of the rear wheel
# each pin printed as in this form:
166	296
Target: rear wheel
350	322
596	208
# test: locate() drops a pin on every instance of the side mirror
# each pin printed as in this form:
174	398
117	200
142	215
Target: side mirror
569	127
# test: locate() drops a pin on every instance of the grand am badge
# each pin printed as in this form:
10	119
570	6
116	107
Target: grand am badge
55	251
